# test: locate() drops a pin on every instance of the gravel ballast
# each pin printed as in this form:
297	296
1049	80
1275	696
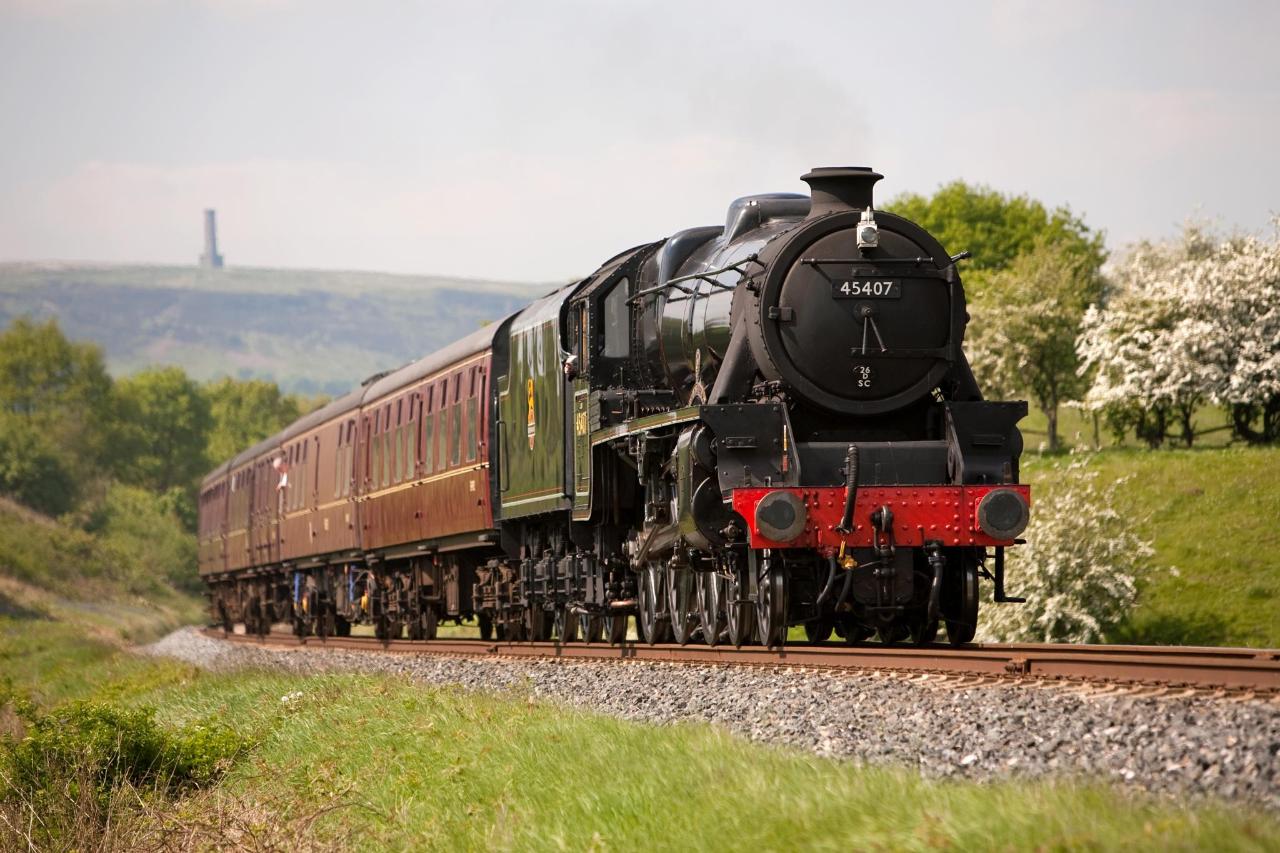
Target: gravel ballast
1197	744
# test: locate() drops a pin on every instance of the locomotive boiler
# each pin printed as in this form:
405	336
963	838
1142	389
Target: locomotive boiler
723	434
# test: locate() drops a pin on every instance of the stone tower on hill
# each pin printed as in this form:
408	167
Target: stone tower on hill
211	260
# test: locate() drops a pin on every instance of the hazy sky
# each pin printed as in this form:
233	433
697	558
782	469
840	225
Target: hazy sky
532	140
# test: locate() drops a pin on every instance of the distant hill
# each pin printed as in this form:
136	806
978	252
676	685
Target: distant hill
311	331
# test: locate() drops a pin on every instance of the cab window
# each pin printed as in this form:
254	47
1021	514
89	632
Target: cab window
616	320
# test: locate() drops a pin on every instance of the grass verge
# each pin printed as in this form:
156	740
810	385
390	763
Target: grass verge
345	760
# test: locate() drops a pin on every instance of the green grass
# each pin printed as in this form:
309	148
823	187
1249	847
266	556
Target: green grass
1075	429
1212	515
54	661
386	764
406	767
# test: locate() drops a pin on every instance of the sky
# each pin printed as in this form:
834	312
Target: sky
530	141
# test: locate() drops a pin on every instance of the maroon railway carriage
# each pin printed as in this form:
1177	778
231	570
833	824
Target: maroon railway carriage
393	474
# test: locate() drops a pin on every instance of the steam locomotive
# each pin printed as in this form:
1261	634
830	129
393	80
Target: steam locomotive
721	435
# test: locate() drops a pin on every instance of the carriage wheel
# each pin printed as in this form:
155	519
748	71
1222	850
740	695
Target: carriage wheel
590	627
617	624
537	625
266	620
325	619
485	623
566	626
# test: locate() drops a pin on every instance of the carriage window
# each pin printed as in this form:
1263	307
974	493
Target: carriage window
417	434
473	415
429	442
376	467
617	328
386	458
408	442
338	451
347	462
455	434
398	438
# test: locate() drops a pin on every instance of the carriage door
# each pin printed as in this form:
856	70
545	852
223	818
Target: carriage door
581	392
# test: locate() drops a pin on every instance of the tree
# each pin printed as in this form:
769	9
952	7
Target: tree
1078	569
1024	327
244	412
32	470
1193	320
997	228
167	429
59	389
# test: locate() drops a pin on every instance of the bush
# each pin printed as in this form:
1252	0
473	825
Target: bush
31	468
73	770
1078	569
143	534
132	541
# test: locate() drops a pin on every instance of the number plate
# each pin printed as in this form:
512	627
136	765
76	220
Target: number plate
868	288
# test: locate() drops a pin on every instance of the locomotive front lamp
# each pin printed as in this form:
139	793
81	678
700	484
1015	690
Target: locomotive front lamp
781	516
868	231
1003	514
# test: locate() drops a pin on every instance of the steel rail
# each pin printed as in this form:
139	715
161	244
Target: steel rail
1173	666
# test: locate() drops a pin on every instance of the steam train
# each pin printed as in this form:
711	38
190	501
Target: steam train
723	434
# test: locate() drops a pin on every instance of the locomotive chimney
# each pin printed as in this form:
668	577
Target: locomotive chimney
835	188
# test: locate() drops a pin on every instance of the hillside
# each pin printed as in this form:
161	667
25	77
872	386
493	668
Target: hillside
310	331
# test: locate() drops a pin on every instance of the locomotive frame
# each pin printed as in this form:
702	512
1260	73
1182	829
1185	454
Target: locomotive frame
722	434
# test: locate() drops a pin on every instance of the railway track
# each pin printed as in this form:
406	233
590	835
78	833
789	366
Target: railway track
1253	670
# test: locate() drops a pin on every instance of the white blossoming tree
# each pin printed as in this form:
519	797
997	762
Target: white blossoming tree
1022	336
1191	321
1077	570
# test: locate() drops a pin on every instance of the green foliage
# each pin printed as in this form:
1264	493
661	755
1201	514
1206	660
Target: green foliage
1024	327
143	530
114	745
74	652
997	228
72	764
50	555
1078	569
1209	514
244	412
1033	274
32	469
166	423
132	546
59	388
